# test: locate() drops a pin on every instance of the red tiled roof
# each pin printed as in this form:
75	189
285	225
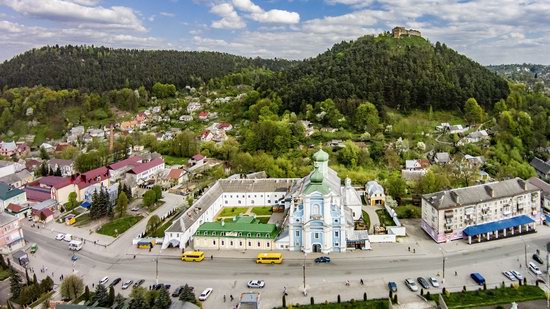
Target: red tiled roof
146	166
15	207
197	157
224	125
37	194
175	173
203	114
47	212
61	147
132	161
55	181
91	177
31	164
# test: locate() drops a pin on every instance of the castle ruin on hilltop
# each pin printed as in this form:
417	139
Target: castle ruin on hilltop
398	32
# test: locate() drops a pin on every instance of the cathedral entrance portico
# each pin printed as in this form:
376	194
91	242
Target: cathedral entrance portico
316	248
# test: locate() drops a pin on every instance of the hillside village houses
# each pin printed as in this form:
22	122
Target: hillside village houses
11	195
482	212
374	193
541	167
545	198
65	166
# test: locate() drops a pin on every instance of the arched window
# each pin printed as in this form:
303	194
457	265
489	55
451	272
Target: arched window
316	209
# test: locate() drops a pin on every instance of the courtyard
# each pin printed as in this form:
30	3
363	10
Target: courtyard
264	214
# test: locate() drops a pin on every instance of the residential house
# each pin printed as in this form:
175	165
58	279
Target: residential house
415	169
17	180
176	176
444	126
87	182
61	146
206	136
442	158
196	161
308	126
11	233
118	169
47	147
7	168
542	168
475	137
375	193
193	106
10	195
186	118
458	129
474	160
145	171
65	166
44	211
225	126
8	149
96	133
19	211
32	164
482	212
203	115
545	199
336	143
59	187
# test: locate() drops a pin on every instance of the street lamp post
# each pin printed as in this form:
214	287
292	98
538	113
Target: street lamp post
443	264
304	271
157	269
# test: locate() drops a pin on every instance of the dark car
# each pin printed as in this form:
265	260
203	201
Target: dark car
138	283
538	259
423	283
322	259
115	282
392	286
177	291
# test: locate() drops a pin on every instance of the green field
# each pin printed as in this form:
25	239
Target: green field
352	304
263	211
408	212
121	225
474	299
232	211
171	160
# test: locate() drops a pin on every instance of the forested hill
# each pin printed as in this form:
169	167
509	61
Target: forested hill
101	68
403	73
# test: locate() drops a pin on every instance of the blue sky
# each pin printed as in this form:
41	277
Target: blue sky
489	31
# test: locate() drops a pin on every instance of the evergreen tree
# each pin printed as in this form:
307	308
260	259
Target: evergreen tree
111	295
57	171
119	301
15	284
101	296
46	284
187	294
95	207
122	204
86	293
163	300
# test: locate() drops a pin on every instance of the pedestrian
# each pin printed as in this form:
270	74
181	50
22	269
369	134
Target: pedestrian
224	298
134	256
211	257
231	297
414	250
362	283
93	284
456	273
409	248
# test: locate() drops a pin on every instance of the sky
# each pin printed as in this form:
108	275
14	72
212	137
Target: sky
489	31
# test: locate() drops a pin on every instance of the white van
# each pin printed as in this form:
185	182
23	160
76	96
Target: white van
68	237
75	245
534	269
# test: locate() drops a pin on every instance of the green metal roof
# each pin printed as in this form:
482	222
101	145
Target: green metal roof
320	156
317	183
6	192
243	225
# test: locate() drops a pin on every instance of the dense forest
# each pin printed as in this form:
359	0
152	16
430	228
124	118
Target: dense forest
102	68
405	73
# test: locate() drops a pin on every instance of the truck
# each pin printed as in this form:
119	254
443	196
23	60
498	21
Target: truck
75	245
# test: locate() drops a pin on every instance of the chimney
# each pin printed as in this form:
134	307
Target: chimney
490	191
455	197
522	183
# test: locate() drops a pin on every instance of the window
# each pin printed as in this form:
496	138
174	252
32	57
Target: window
247	234
316	209
257	234
231	243
267	244
250	244
240	234
240	243
336	244
336	233
223	242
239	201
297	233
213	242
269	201
226	202
316	235
336	220
213	233
259	244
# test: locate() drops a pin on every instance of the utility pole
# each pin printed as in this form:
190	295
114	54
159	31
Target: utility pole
525	246
157	269
304	273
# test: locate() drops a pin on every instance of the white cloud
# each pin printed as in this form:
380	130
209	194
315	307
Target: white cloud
75	11
167	14
274	16
229	17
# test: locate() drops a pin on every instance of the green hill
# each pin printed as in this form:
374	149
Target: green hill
101	68
403	73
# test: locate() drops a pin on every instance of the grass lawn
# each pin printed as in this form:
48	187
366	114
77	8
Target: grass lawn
263	220
121	225
83	219
369	304
232	211
366	219
384	218
4	273
171	160
408	212
263	211
472	299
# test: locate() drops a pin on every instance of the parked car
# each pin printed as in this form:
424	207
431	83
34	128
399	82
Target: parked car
534	269
135	209
259	284
434	282
392	286
104	280
478	278
68	237
322	259
411	284
60	236
127	284
205	294
423	283
538	259
138	283
74	258
177	291
516	274
115	282
509	275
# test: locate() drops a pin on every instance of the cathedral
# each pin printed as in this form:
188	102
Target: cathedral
321	211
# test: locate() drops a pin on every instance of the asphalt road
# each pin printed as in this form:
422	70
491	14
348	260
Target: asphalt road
228	276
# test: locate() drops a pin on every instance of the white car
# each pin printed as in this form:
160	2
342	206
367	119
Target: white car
411	284
60	236
509	275
205	294
434	282
259	284
68	237
534	269
135	209
104	280
127	284
517	275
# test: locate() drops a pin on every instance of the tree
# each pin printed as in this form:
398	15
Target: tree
396	186
72	202
111	296
158	192
366	118
149	198
153	222
15	283
86	293
101	296
72	287
473	112
187	294
349	155
44	154
121	204
119	301
137	299
28	294
163	300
